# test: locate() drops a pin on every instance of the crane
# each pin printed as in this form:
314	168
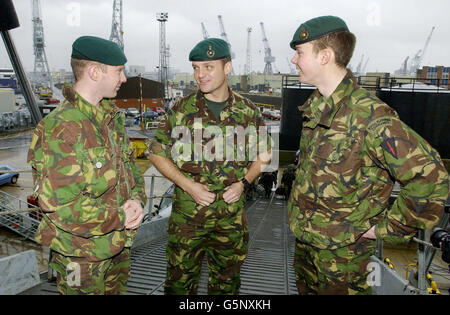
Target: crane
418	58
117	24
248	64
268	58
204	32
365	66
359	67
292	69
224	36
42	75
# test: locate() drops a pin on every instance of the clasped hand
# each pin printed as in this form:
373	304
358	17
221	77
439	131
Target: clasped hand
202	196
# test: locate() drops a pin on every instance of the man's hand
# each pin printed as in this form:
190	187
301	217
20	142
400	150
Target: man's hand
233	192
370	234
201	194
133	213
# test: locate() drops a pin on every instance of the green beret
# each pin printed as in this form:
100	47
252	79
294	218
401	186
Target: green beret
316	28
98	49
210	49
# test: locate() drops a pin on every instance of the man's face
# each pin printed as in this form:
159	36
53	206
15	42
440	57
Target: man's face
112	80
307	62
211	75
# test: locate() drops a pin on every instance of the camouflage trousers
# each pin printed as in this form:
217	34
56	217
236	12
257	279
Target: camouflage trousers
340	271
225	244
80	276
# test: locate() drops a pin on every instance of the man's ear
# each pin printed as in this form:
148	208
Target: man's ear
326	55
93	71
228	68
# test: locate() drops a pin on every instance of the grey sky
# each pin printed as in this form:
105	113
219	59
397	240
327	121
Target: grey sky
387	31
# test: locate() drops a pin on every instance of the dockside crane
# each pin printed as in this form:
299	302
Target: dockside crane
418	58
292	69
224	36
365	66
41	75
248	63
117	24
204	32
359	67
268	58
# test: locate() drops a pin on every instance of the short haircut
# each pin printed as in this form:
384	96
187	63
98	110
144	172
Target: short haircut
78	66
226	59
342	43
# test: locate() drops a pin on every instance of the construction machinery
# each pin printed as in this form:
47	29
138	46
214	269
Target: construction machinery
163	76
117	24
416	62
224	36
204	32
41	75
360	65
248	63
268	58
292	69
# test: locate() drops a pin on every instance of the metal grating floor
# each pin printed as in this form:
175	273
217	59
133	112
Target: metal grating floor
267	270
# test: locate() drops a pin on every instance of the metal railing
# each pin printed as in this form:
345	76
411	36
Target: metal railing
384	83
23	222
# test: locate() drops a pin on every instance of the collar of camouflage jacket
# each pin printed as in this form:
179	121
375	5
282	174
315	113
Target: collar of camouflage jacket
103	113
318	110
201	104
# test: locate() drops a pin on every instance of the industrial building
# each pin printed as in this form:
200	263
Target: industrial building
437	75
140	93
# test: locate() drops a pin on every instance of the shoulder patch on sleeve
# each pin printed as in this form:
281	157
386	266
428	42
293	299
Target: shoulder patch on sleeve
379	123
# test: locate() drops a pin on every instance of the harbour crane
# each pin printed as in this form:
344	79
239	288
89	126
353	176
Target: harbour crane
248	64
224	36
42	76
365	66
359	67
268	58
418	58
292	69
204	32
117	24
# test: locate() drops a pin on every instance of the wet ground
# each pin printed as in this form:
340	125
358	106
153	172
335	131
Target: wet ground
13	152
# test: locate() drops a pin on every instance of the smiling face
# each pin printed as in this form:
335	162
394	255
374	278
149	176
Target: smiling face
307	62
211	76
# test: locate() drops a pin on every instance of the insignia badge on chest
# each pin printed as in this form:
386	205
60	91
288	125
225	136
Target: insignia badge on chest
389	146
210	53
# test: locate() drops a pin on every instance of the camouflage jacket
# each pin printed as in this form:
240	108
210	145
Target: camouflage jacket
352	149
201	159
84	171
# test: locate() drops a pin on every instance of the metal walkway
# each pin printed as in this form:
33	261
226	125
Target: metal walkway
24	224
267	270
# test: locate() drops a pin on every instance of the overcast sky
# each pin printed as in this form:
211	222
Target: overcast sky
387	31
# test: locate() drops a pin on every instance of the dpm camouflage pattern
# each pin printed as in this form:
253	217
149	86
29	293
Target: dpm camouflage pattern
353	147
78	276
220	226
340	271
83	170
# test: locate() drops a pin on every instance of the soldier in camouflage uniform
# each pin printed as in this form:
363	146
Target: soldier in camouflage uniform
352	149
208	205
85	179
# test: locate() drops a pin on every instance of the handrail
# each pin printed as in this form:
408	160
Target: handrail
382	83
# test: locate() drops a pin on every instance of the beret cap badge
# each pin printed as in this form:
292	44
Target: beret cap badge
304	34
210	53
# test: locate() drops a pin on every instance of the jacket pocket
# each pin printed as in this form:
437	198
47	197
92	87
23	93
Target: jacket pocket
99	171
336	172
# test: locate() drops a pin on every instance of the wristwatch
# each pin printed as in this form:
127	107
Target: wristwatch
245	182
